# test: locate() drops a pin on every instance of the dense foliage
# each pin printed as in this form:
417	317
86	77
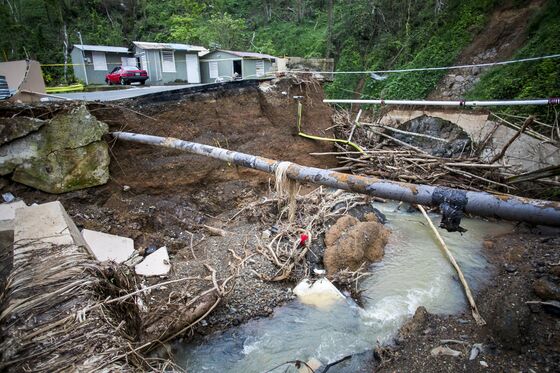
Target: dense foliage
529	80
358	34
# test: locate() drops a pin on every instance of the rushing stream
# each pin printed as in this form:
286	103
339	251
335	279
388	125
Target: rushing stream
414	272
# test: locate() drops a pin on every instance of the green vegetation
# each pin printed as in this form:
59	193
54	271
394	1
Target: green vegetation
428	39
358	34
529	80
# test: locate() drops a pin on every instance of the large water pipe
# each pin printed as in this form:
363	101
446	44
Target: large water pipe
452	202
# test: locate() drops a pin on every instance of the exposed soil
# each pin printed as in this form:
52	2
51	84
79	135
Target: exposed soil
518	337
170	195
501	37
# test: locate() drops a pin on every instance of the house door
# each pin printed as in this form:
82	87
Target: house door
193	69
237	69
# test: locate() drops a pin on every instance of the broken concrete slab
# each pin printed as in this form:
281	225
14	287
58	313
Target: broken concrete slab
155	264
8	214
321	293
109	247
44	224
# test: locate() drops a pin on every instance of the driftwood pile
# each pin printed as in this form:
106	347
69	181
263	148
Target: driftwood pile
386	156
313	214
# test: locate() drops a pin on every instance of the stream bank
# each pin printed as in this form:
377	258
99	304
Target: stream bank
518	337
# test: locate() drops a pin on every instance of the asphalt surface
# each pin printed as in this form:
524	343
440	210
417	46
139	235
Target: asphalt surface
119	94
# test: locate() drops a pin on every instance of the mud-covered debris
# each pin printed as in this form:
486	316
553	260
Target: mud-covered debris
444	350
350	243
415	324
546	290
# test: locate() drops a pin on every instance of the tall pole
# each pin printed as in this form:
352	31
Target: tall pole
83	57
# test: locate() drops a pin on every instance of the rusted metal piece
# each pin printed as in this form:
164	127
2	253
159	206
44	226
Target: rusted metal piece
477	203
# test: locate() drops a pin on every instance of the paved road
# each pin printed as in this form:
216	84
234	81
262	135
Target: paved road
120	94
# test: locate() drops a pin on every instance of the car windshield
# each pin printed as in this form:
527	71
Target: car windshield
129	68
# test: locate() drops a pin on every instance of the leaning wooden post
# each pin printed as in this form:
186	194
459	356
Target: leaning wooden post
479	320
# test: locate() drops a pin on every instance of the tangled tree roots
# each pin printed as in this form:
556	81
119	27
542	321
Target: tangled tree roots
63	311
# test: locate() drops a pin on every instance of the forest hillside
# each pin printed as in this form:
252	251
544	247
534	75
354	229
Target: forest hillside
359	34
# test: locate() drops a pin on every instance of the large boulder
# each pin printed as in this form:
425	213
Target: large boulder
457	141
67	169
65	154
350	243
13	128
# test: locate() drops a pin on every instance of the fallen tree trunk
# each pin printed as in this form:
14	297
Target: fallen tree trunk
451	201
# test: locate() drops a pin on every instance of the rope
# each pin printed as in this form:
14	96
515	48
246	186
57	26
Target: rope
283	186
489	64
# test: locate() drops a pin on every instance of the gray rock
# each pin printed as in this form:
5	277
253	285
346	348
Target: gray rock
458	143
63	155
13	128
459	78
510	268
67	170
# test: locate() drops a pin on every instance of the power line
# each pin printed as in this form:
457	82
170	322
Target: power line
489	64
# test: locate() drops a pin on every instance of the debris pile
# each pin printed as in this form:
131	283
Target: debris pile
430	150
69	305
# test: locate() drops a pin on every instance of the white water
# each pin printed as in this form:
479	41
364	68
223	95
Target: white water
414	272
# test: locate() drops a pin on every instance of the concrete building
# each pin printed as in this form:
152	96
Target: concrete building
227	65
92	62
169	62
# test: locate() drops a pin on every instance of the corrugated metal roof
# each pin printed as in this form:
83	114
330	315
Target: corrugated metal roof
250	54
101	48
174	46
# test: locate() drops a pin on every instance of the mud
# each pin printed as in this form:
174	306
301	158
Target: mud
518	337
165	197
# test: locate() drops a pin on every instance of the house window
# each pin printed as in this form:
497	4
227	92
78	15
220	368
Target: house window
128	61
213	66
99	61
260	67
143	62
168	61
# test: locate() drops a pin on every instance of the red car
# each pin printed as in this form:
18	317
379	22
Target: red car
126	75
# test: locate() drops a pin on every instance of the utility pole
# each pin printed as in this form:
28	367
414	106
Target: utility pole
83	56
